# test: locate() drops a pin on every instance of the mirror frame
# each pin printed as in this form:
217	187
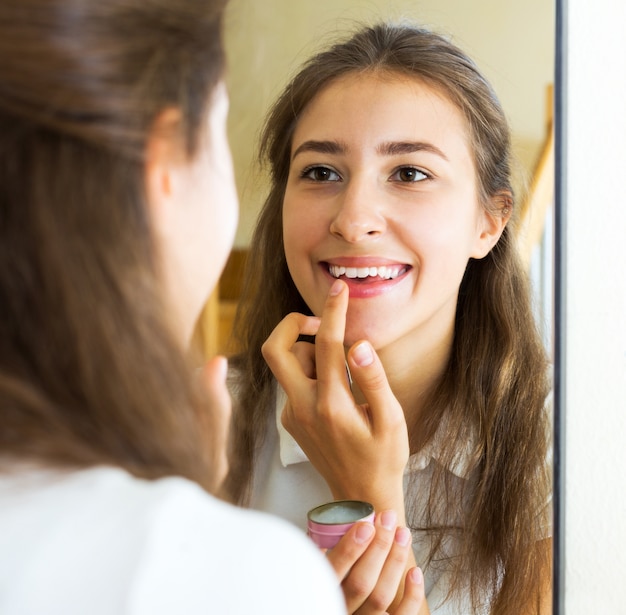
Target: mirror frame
559	317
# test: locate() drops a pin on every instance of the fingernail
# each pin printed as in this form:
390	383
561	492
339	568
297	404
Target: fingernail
417	576
403	536
363	355
364	532
336	288
388	519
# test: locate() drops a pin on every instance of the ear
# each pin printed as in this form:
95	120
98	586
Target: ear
162	156
492	221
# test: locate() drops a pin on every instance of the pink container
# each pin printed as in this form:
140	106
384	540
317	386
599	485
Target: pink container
329	522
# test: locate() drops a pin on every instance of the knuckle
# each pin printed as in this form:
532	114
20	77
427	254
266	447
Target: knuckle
396	425
297	418
383	540
380	599
356	586
267	348
265	351
398	556
325	410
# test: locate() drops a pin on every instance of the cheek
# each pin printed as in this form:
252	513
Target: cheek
442	244
218	244
302	235
452	228
221	211
300	227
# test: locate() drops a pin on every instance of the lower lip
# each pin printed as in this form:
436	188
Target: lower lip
368	287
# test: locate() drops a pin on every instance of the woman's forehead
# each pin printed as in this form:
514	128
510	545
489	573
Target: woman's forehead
386	106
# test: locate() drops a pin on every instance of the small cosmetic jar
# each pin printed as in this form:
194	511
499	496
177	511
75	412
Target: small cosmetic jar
329	522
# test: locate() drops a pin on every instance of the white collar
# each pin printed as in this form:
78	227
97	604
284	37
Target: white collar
290	451
461	465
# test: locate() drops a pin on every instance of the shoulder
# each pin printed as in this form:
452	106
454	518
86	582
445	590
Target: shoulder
165	546
252	562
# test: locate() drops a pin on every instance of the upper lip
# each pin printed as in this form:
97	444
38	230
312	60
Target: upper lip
363	261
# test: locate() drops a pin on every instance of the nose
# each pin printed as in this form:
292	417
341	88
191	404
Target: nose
358	216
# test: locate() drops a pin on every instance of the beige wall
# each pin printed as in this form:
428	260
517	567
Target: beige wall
268	39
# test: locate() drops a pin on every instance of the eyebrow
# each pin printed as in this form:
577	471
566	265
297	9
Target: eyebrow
320	147
391	148
395	148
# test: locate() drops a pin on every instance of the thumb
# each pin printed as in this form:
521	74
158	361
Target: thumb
369	375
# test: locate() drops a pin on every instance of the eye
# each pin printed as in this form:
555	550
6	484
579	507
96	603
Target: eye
320	174
409	174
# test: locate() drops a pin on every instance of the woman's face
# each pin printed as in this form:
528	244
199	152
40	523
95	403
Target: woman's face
382	194
197	232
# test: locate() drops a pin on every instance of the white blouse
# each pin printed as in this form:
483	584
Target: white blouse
102	542
287	484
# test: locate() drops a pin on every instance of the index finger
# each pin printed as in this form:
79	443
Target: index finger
329	343
350	548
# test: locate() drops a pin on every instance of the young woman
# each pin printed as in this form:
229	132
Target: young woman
117	212
392	205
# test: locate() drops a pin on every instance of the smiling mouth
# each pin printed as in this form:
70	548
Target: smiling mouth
384	272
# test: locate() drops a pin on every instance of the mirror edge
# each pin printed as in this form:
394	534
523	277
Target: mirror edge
559	324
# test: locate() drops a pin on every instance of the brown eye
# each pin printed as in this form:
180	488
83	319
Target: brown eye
409	174
321	174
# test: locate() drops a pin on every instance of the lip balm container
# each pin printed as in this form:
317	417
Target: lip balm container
329	522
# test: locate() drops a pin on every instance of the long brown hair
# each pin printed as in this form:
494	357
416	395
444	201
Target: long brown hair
496	381
90	372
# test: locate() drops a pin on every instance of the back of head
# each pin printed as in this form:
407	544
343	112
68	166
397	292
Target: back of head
89	372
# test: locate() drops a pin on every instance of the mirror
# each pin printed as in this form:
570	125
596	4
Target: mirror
513	43
559	316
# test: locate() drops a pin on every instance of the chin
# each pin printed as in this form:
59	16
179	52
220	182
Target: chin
357	334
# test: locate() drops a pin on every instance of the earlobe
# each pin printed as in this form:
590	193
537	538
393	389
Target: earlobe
158	189
493	223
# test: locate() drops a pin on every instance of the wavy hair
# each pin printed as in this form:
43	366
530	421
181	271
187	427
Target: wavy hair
90	372
495	384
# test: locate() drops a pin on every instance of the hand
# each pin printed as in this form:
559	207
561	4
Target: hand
370	562
212	381
360	449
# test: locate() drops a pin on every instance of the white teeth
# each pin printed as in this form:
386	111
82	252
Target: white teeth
383	272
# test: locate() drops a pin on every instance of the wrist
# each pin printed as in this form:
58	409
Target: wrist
381	500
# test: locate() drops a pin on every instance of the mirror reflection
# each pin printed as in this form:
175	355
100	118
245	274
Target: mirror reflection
513	48
513	45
